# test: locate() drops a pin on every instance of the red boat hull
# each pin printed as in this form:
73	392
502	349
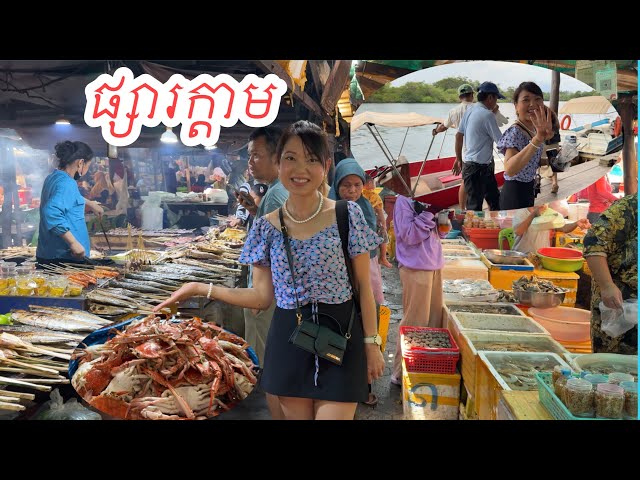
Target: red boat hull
446	197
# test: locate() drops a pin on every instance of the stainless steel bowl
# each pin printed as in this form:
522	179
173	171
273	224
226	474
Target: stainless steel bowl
539	299
505	257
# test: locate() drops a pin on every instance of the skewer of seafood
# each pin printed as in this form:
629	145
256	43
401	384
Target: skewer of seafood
11	341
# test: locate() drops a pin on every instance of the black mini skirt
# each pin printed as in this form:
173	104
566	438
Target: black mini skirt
290	371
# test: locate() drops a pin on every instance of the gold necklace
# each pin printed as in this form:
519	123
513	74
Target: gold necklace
315	214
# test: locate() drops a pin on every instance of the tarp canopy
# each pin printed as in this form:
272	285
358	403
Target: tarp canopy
591	105
409	119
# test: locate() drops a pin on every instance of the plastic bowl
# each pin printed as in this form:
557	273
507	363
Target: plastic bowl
565	324
561	253
559	264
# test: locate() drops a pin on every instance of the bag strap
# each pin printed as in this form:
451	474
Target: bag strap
287	247
342	215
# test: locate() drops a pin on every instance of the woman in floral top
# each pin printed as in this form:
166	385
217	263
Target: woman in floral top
308	387
611	250
522	144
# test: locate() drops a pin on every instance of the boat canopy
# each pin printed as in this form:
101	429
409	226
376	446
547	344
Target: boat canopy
591	105
410	119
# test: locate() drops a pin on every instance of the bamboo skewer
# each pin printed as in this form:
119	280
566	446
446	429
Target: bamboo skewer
12	407
28	371
48	381
24	396
9	399
20	383
32	366
12	341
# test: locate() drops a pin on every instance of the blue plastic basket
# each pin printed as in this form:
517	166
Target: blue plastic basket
453	234
100	336
552	403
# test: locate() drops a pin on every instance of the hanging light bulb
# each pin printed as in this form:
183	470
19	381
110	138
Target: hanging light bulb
169	136
62	120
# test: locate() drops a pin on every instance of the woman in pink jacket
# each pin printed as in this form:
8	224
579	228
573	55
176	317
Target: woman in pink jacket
419	256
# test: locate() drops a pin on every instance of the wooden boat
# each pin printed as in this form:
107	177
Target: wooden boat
595	139
430	180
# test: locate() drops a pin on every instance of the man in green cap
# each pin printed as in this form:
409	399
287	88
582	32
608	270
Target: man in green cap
465	94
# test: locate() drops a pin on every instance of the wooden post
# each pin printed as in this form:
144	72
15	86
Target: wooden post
8	182
627	105
555	91
335	85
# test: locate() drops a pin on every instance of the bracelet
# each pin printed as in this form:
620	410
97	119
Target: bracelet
209	292
535	146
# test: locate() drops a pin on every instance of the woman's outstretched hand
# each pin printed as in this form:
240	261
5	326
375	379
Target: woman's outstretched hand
543	122
187	291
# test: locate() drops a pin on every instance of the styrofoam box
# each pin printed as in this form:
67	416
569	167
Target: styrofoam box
503	323
453	241
427	396
453	306
468	350
546	360
613	361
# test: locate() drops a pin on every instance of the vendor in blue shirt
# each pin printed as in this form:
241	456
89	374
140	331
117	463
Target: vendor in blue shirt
63	234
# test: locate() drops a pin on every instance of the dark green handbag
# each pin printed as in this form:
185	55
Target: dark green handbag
316	338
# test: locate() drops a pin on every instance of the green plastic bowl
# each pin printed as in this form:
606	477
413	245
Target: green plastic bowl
561	264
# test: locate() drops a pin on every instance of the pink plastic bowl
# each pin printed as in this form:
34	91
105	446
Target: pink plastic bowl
565	324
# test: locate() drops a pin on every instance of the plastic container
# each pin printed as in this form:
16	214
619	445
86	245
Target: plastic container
595	379
564	323
617	378
505	323
58	286
579	397
560	384
609	400
630	411
606	363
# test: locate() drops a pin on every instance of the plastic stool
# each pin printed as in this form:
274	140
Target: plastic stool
509	235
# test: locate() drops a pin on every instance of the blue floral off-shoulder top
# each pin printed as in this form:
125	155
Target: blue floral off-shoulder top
321	273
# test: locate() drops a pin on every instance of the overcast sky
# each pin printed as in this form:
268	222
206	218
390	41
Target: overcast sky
504	74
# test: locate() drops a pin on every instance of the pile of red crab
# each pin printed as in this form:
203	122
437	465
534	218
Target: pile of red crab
164	370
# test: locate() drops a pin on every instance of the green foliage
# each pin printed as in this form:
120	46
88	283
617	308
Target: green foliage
446	91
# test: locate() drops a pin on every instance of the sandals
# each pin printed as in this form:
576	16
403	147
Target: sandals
395	381
372	401
554	189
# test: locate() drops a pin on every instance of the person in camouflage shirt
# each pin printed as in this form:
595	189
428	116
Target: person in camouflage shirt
611	250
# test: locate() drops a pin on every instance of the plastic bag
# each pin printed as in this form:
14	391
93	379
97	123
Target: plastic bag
618	321
567	152
72	410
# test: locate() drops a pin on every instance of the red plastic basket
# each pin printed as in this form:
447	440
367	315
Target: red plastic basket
429	360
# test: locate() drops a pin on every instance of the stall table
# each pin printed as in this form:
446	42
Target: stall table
518	405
